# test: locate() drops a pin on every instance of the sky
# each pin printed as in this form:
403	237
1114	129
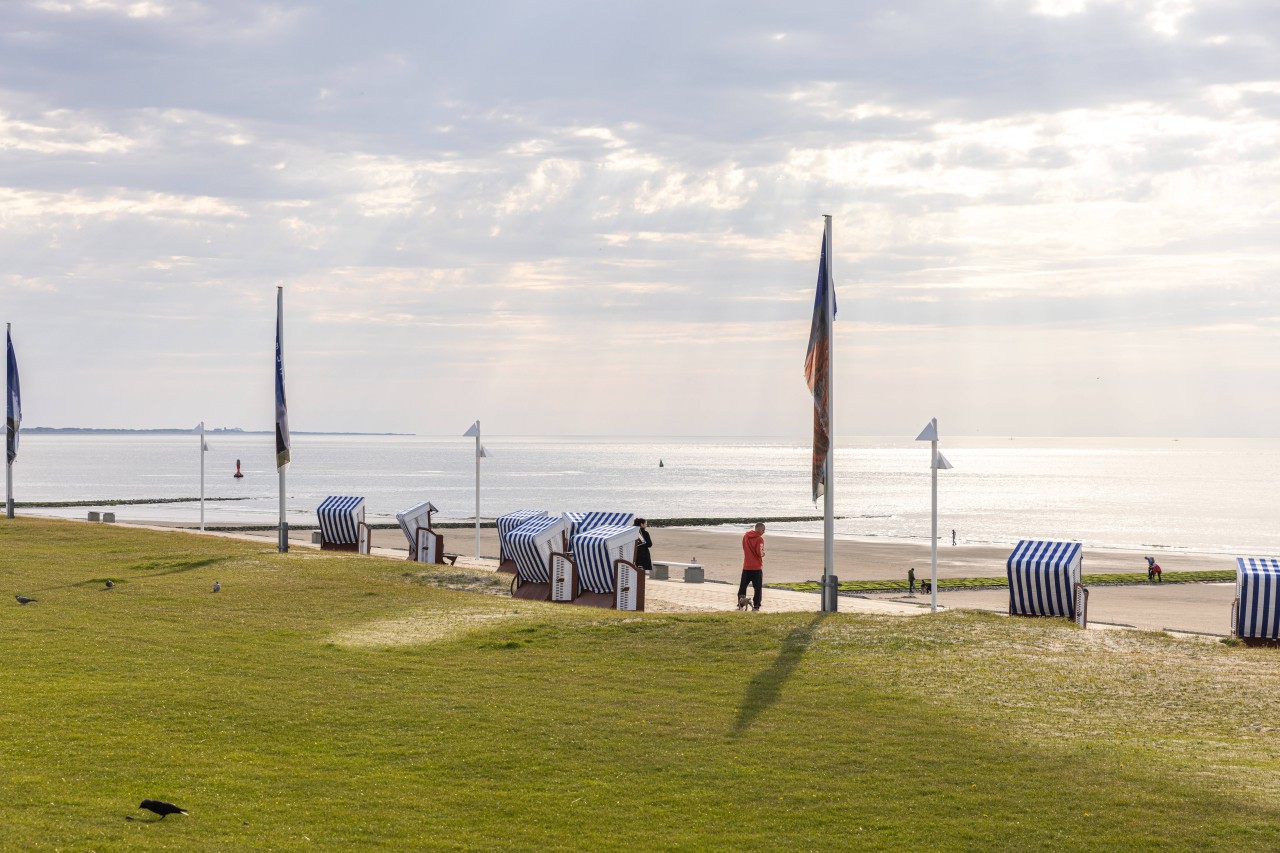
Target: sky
1050	217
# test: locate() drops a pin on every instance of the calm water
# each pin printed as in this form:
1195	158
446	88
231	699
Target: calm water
1206	495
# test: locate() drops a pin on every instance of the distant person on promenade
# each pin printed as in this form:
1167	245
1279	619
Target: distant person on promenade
911	581
953	536
752	566
1151	568
643	559
1155	571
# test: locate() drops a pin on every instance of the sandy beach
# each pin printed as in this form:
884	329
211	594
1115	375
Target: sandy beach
1191	607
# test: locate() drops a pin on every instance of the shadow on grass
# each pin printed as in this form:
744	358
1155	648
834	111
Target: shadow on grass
764	689
175	567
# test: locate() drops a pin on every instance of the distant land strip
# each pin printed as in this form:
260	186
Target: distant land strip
470	525
120	502
179	431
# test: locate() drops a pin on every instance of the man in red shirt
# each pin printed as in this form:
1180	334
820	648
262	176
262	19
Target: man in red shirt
752	566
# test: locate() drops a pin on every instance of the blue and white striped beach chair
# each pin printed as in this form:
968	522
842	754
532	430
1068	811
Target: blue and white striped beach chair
425	545
1255	614
1044	579
342	526
580	522
605	557
532	546
506	524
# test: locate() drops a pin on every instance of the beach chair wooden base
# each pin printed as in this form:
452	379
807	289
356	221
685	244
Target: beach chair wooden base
532	591
508	566
605	600
339	546
451	559
1259	642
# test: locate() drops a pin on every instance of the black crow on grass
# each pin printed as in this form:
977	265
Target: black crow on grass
161	808
22	599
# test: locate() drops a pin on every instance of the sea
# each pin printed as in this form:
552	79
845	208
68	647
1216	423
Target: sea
1195	495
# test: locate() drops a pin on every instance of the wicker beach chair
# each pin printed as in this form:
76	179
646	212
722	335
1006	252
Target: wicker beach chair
506	525
1044	580
342	526
1255	613
534	546
425	545
607	574
581	522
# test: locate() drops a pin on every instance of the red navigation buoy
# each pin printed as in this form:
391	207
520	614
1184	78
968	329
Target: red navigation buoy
238	475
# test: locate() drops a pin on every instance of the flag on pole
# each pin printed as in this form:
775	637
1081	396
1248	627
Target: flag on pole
817	373
13	405
282	409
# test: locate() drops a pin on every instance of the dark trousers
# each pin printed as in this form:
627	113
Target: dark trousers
754	577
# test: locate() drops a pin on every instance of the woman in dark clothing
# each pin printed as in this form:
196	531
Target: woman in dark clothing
643	544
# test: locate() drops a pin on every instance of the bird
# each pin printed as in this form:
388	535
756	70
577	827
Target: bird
22	599
161	808
216	586
110	583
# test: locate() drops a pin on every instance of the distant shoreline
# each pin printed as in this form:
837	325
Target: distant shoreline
171	431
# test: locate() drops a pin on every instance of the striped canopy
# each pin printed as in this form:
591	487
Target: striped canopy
531	544
338	518
509	522
595	550
413	518
1042	578
580	522
1258	588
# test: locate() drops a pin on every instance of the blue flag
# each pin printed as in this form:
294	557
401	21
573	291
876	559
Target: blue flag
282	409
817	373
13	406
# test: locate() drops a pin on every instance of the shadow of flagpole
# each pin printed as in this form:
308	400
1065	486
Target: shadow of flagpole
766	687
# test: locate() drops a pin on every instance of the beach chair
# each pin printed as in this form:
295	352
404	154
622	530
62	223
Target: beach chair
534	546
506	525
425	545
342	526
580	522
1255	613
607	574
1044	580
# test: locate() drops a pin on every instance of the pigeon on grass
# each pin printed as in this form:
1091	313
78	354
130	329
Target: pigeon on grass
22	599
216	586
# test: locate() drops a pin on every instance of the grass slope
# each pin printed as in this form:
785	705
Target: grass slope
331	702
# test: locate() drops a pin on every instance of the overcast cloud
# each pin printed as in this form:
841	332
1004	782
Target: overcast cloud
1051	216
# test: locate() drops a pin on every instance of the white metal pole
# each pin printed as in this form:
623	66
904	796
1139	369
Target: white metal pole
933	529
477	490
202	476
829	504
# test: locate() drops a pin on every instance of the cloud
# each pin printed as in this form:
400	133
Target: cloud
461	198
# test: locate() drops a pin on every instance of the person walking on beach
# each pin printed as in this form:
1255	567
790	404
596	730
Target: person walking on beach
643	559
911	581
752	566
953	536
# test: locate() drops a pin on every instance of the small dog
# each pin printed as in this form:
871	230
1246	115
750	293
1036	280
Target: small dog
744	603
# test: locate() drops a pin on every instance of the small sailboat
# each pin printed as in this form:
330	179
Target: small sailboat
238	475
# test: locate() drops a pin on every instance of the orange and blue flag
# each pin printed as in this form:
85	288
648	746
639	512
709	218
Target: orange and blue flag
817	372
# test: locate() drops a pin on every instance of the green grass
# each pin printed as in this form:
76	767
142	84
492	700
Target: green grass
335	702
996	582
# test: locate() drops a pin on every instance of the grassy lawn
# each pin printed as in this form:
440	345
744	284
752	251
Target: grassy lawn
346	703
995	581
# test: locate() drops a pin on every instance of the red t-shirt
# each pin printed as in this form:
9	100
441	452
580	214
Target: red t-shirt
753	550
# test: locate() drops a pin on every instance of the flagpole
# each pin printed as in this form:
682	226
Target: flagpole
8	428
283	544
933	522
202	476
829	503
477	490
